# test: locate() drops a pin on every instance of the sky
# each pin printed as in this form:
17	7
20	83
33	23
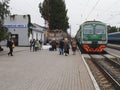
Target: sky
79	11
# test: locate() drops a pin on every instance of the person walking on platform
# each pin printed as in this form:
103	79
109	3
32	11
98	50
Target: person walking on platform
10	45
40	42
74	46
53	43
31	42
61	45
66	47
36	45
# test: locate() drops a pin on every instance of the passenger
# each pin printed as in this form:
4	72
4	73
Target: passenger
10	46
31	42
53	43
40	42
36	45
66	47
74	46
61	46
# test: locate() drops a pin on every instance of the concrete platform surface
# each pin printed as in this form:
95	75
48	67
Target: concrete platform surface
43	70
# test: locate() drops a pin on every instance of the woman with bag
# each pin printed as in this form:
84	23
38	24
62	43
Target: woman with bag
10	45
66	47
74	46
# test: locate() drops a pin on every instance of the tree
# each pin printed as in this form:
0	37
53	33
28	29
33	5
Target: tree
4	34
3	12
112	29
54	11
44	10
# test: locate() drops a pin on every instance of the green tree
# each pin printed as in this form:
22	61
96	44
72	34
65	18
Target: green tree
4	11
4	34
112	29
44	10
55	13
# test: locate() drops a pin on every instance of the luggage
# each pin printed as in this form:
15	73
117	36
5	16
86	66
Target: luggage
51	49
1	49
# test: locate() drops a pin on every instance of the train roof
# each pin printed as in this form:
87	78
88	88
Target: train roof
99	22
93	22
114	33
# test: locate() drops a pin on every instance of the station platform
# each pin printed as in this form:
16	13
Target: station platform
44	70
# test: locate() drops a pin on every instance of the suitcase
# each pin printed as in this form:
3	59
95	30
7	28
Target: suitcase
51	49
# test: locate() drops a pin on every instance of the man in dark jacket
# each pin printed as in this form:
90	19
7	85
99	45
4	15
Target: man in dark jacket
9	45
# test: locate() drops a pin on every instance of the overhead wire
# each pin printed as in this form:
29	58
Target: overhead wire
111	15
108	10
116	2
92	9
84	9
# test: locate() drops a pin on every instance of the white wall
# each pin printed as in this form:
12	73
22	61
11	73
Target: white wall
13	25
38	35
38	32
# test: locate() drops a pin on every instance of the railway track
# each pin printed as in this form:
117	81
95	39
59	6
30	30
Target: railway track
114	46
109	68
105	68
102	81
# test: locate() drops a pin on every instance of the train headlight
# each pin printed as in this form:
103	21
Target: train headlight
86	42
102	42
104	39
85	38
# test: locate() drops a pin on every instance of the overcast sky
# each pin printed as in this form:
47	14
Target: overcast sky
107	11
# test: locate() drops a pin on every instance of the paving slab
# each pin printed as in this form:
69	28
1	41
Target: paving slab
43	70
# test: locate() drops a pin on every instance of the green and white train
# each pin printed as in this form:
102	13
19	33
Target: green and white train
92	36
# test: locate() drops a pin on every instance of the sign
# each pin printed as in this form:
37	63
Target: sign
15	25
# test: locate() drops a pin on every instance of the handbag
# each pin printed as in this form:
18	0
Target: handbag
13	45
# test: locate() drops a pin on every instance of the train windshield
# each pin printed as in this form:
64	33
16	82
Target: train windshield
88	29
100	29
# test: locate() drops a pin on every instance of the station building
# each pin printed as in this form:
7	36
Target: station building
38	32
22	30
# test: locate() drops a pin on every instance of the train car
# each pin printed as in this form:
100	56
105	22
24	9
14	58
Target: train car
114	38
92	36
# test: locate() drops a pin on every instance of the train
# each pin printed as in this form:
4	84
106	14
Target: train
92	36
114	38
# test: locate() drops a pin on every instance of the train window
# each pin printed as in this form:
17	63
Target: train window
88	29
100	29
51	34
58	34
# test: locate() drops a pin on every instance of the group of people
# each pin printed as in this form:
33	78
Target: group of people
64	46
35	44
